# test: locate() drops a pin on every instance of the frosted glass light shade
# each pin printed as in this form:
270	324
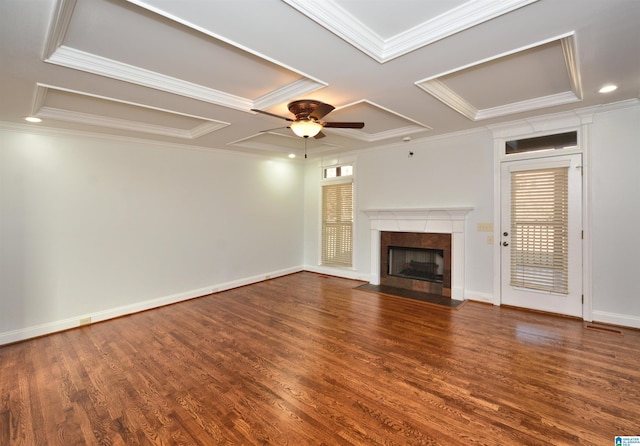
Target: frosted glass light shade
306	129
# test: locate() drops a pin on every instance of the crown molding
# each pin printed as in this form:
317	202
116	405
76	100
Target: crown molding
306	84
295	89
58	27
435	87
339	21
374	137
528	105
557	121
342	23
42	111
57	53
451	22
122	124
91	63
30	129
205	128
410	129
102	66
444	94
570	53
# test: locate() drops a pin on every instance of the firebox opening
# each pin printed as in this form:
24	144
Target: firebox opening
416	263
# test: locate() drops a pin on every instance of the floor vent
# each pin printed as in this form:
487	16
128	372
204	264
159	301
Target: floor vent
604	329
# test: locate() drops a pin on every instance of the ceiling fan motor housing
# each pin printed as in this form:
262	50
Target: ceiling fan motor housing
306	109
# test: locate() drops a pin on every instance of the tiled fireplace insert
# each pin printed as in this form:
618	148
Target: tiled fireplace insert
416	261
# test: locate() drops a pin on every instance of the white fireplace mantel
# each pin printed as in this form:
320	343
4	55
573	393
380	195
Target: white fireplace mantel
436	220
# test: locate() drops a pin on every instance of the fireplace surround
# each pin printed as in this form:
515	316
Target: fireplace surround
418	261
422	221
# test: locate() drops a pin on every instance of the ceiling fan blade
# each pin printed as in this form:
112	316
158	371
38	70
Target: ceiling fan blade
271	114
343	125
320	135
321	110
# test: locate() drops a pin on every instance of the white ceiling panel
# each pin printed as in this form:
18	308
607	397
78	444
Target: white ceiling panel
526	79
529	74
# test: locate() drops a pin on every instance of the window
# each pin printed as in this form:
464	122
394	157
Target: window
539	230
337	171
337	217
550	142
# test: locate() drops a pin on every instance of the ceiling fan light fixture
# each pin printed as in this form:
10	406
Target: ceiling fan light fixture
306	128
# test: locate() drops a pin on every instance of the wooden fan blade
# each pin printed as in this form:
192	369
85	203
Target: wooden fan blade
271	114
343	125
320	135
321	110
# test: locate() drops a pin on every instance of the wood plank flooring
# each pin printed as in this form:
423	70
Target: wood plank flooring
310	360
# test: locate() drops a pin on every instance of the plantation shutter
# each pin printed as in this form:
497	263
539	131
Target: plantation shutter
337	224
539	229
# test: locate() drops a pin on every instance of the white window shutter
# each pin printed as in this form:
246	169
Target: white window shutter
539	229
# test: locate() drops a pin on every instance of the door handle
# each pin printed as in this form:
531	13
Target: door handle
505	243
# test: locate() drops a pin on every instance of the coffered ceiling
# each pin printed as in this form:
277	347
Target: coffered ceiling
190	71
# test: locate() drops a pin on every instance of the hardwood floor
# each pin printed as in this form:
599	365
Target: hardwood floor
307	360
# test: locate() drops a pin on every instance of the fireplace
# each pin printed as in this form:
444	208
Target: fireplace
439	229
416	261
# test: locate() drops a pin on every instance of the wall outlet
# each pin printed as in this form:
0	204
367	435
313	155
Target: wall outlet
490	240
485	227
85	321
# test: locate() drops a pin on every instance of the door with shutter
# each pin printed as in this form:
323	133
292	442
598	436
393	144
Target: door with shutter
541	234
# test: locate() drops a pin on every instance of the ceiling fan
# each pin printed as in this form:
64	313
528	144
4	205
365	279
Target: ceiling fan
308	113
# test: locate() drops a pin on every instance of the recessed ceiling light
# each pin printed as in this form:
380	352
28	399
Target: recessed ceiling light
608	88
292	155
32	119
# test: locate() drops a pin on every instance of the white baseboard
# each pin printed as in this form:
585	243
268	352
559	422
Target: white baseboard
255	279
622	320
34	331
338	272
480	297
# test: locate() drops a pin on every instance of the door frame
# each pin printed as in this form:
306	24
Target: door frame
531	128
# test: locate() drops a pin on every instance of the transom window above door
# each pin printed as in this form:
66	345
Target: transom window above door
568	140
